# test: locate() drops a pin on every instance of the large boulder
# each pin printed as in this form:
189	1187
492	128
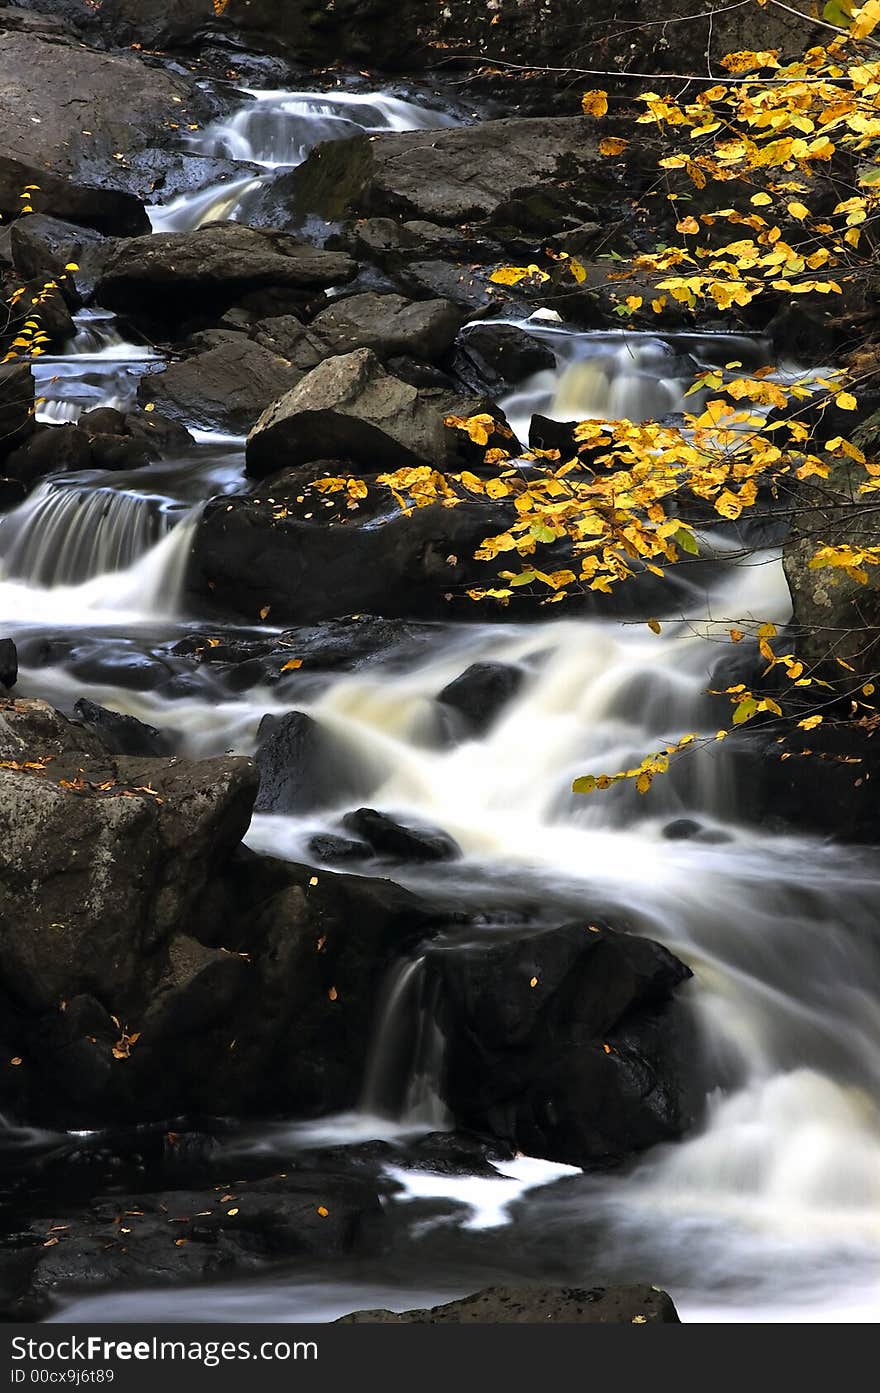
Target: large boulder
569	1042
74	120
348	408
303	767
390	324
227	388
537	1306
102	858
447	177
173	277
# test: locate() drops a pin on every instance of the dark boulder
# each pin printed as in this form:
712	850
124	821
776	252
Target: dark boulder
49	450
398	841
8	663
481	693
537	1306
102	858
504	355
17	395
303	767
226	388
569	1043
120	734
333	850
389	324
173	277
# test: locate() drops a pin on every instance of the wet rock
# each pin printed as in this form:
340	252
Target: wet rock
537	1306
38	255
184	1236
393	839
389	324
226	388
687	829
569	1043
83	175
16	405
350	409
94	878
481	693
334	851
12	492
49	450
303	767
173	277
8	663
120	734
288	337
504	355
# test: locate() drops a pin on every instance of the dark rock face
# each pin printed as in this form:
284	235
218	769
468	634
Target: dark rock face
390	838
481	693
119	734
79	175
16	405
176	276
93	880
389	324
538	1306
303	768
504	355
8	663
49	450
188	1235
227	388
568	1043
247	556
349	409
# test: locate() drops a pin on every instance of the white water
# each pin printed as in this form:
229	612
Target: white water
276	130
772	1209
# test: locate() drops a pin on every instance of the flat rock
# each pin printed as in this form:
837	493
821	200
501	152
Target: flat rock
537	1306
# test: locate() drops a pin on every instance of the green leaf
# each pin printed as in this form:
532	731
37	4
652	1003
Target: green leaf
524	578
542	533
838	12
687	541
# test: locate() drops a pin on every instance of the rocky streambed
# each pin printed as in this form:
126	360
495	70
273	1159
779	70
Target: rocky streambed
317	981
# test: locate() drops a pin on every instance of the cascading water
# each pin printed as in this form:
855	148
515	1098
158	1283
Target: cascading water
276	131
775	1202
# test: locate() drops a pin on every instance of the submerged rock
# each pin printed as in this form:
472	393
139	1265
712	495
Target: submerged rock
387	837
121	734
480	694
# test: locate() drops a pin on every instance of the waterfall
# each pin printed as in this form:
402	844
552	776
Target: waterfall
98	368
65	534
276	130
403	1077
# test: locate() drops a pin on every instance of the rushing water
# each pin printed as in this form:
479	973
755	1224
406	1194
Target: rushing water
772	1209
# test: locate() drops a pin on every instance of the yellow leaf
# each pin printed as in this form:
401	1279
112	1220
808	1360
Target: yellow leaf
333	994
868	689
767	630
688	224
71	266
533	982
736	635
264	612
323	1211
760	200
798	211
654	625
595	103
810	722
292	664
846	401
612	145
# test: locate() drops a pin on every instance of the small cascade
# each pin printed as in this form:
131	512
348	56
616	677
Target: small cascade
405	1065
276	130
98	368
66	534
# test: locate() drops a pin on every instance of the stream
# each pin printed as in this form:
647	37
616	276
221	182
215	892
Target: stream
771	1210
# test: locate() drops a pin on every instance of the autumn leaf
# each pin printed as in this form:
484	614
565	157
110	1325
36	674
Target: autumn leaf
292	665
595	103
